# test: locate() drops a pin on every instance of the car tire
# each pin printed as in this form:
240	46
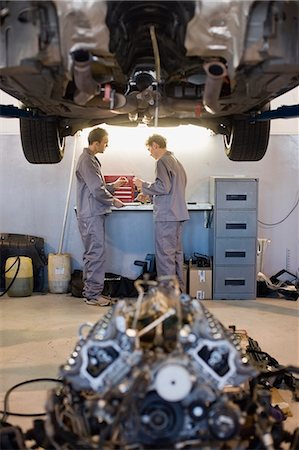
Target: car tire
41	141
247	141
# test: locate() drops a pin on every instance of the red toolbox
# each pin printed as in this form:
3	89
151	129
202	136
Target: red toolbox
126	192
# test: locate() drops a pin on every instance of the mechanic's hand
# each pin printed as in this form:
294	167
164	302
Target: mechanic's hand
121	181
138	182
143	198
117	203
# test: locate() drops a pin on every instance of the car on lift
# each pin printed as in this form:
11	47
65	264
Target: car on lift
215	64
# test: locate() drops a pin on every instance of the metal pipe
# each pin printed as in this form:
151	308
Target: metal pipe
156	53
85	83
158	69
66	209
216	71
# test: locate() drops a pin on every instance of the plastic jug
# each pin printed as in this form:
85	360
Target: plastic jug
19	276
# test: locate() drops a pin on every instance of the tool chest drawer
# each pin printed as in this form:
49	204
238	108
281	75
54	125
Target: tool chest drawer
232	282
235	251
235	223
235	193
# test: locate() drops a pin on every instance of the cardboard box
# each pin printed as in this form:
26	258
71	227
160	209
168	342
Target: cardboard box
200	283
185	277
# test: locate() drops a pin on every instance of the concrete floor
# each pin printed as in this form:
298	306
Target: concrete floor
39	332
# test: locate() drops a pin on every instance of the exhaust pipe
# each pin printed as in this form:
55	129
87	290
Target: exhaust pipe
86	85
216	71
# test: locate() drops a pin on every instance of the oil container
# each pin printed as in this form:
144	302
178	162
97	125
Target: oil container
19	276
59	272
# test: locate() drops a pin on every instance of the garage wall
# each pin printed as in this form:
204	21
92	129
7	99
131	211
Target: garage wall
33	197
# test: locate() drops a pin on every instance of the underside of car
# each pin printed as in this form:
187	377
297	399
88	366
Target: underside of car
216	64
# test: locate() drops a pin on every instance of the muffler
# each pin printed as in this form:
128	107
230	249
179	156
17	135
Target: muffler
87	87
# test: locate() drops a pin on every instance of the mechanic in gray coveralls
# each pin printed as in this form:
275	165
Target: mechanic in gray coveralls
170	208
94	201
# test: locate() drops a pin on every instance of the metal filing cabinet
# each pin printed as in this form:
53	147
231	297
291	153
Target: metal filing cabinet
234	237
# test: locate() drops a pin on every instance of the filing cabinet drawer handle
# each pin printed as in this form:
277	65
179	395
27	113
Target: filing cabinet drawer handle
236	197
236	226
235	254
234	282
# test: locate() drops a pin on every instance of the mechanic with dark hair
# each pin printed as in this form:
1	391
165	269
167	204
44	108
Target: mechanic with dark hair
94	201
170	208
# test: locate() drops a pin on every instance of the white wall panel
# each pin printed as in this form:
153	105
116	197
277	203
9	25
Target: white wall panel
32	197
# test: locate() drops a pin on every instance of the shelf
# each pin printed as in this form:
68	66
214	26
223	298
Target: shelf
149	207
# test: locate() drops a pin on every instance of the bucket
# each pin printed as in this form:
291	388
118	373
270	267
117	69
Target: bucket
19	274
59	272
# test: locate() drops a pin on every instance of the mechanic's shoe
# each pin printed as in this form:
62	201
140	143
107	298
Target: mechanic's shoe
106	297
99	301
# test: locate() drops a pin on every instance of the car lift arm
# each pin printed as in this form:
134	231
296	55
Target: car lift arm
10	111
283	112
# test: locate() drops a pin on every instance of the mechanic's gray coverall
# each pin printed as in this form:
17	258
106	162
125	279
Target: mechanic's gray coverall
94	201
170	211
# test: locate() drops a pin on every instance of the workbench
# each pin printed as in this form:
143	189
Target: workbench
129	235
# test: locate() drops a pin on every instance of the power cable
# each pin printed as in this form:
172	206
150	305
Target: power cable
17	260
5	412
282	220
